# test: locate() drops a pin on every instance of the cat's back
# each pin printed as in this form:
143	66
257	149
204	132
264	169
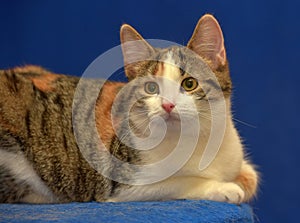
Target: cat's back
23	88
24	80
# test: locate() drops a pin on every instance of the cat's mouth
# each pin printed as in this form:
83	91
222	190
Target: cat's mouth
171	117
168	118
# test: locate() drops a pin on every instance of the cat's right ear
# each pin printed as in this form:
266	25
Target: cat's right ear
208	42
135	50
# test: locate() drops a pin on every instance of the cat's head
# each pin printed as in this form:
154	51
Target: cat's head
170	82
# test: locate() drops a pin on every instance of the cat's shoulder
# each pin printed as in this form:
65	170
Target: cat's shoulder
40	77
30	69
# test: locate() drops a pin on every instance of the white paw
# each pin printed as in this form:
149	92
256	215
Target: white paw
226	192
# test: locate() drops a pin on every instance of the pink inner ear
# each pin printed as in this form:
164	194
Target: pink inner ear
222	56
134	48
135	51
208	41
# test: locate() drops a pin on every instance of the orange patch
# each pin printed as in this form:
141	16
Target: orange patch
103	111
248	181
44	82
159	69
42	78
30	69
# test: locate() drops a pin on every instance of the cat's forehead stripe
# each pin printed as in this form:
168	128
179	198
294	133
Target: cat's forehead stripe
168	70
159	69
167	67
171	71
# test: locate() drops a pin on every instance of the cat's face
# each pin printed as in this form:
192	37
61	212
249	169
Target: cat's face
177	82
166	88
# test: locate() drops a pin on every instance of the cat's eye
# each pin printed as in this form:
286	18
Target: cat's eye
189	84
151	88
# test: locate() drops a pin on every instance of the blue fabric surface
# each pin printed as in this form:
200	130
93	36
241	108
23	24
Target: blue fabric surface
169	211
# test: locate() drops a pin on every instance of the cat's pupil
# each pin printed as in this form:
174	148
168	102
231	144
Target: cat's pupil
189	84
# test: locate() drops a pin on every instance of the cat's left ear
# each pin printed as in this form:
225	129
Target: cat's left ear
135	50
208	42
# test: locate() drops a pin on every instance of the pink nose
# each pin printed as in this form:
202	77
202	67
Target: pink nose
168	107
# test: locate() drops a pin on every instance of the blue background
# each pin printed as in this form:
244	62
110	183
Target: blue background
262	46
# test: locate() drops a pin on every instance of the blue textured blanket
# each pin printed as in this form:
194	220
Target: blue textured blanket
169	211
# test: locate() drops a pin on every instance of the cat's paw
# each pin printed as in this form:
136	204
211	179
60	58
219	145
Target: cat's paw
226	192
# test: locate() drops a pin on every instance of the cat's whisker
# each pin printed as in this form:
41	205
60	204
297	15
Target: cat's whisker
135	116
211	113
128	133
206	118
244	123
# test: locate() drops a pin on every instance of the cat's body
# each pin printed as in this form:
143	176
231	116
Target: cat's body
42	162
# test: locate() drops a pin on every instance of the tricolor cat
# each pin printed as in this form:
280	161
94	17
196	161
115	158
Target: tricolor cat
183	90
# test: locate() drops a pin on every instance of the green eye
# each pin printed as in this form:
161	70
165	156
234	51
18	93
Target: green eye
151	88
189	84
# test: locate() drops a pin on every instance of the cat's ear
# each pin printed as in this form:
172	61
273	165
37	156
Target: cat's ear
135	50
208	42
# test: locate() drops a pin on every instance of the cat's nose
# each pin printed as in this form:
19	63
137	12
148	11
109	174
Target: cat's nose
168	107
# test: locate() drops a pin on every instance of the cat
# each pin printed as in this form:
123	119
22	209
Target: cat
46	158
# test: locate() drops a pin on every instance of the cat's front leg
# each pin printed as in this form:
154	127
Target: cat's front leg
209	189
195	188
248	180
242	189
223	192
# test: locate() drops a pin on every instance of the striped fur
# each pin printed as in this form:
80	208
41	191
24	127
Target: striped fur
36	128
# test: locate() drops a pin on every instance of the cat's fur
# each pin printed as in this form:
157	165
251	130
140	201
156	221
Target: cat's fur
40	161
